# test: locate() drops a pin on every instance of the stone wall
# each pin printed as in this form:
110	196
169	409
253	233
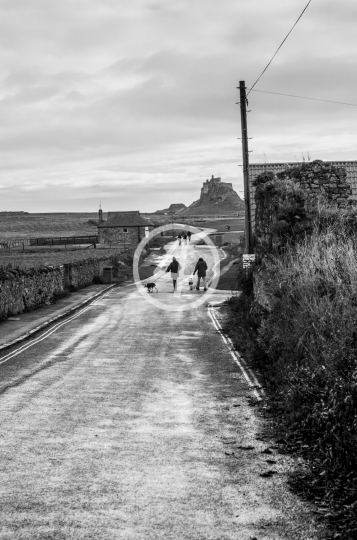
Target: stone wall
280	214
82	274
25	290
257	169
285	203
117	236
321	179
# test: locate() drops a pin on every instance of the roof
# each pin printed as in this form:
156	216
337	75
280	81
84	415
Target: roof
125	219
113	213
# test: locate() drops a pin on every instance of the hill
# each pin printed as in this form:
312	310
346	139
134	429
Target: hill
173	209
216	198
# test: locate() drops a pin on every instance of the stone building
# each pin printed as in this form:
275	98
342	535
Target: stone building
125	229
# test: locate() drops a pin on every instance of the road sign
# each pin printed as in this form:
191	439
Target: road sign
248	260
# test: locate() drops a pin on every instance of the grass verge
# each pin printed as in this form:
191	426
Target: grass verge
55	257
303	342
228	279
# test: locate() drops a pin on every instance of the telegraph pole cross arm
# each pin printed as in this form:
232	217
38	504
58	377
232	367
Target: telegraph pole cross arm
243	114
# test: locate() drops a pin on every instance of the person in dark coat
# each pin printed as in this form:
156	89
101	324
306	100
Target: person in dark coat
188	236
174	267
200	268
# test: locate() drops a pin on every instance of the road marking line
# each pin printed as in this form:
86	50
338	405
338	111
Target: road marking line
50	331
246	371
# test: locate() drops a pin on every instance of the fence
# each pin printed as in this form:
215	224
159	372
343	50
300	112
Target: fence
47	241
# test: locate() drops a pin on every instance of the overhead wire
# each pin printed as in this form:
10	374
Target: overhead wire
304	97
281	44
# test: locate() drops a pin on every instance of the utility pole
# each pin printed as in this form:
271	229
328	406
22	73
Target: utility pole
248	220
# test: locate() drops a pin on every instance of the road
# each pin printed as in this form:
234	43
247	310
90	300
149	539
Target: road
126	422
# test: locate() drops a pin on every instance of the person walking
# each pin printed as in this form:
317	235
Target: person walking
174	267
188	236
179	239
200	268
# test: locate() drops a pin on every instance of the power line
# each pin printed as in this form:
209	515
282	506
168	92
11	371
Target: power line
303	97
281	44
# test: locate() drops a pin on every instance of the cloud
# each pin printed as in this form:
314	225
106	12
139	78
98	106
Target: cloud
105	98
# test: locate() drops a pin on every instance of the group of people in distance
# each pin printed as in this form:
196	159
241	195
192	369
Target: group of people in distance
201	269
186	236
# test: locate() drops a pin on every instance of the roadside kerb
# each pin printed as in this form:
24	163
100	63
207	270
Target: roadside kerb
248	374
54	319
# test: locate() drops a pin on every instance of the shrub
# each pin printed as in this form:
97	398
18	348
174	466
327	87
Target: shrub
305	345
310	335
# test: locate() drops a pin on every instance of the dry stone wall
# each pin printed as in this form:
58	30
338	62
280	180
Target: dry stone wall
25	290
320	179
116	235
285	203
83	273
257	169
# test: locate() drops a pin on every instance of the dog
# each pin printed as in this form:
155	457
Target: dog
150	287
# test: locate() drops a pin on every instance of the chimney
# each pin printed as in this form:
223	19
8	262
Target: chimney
100	216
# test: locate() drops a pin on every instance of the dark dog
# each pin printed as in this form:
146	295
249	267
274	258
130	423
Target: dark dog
150	287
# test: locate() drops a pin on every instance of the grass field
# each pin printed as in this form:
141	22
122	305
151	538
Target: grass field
236	224
76	224
53	257
45	225
221	224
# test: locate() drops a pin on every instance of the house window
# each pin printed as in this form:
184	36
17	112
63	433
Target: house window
125	230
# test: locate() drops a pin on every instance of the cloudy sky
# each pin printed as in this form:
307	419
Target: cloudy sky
133	101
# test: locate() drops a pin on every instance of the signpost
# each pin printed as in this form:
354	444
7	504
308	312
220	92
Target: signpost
248	260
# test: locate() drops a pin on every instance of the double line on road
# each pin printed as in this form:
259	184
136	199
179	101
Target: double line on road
248	374
53	329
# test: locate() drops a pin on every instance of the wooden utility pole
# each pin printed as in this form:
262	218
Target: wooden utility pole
248	220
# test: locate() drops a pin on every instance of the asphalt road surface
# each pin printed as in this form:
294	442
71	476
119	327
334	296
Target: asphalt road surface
132	422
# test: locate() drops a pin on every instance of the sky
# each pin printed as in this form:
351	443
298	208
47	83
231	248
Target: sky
133	102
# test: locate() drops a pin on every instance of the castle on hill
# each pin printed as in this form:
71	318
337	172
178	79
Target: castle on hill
213	182
216	198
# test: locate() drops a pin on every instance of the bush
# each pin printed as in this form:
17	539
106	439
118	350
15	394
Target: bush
310	338
305	345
